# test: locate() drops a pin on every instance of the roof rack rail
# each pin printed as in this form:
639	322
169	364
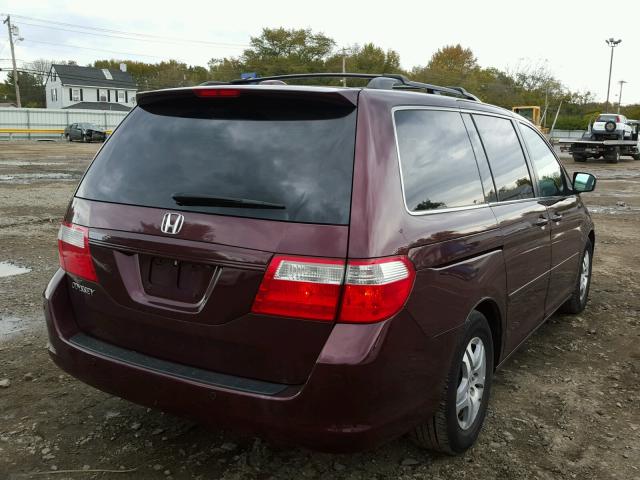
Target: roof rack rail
385	81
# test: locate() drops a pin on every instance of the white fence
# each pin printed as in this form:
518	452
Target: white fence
51	119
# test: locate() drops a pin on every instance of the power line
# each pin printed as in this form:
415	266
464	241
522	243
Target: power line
93	49
117	37
128	35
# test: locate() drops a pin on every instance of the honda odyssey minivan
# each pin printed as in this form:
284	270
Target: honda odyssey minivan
331	267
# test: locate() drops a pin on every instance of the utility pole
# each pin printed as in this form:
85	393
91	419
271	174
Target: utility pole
621	82
613	44
13	59
344	66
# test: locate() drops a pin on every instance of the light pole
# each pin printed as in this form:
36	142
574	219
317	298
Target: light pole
613	44
621	82
344	66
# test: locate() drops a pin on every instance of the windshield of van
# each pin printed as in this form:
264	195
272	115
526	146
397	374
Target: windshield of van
281	158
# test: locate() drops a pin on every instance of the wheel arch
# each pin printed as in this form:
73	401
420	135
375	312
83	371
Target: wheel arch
490	309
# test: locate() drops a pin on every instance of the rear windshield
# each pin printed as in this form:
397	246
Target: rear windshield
607	118
295	155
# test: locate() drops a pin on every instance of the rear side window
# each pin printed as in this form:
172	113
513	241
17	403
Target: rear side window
506	158
550	178
438	167
290	152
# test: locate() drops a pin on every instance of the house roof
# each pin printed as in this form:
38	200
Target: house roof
116	107
93	77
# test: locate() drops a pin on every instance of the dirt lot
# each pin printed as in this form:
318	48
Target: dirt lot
567	405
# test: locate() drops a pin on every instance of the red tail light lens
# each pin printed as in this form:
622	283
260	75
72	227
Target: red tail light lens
300	287
216	92
310	288
376	289
73	247
618	119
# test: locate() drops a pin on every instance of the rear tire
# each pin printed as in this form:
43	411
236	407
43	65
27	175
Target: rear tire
636	156
579	158
458	421
613	157
578	300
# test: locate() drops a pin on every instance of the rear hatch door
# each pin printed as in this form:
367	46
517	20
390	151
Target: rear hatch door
187	203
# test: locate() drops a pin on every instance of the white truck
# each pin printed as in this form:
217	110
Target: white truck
609	138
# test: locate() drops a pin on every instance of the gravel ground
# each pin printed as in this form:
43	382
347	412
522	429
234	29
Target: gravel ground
567	405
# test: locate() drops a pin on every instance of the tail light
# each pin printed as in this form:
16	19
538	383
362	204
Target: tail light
311	288
300	287
376	289
73	247
216	92
618	119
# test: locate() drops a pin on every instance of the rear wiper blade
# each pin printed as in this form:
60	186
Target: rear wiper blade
201	200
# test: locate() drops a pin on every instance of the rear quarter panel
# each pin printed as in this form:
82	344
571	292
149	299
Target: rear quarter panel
457	255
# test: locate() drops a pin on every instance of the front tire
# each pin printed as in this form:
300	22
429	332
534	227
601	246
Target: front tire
579	158
457	423
578	300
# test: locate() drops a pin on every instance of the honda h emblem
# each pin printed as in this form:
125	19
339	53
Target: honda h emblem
171	223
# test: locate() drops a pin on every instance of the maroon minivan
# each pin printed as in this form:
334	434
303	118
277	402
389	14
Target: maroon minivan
328	266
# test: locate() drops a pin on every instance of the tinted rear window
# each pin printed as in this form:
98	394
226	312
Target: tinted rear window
439	169
506	158
281	150
607	118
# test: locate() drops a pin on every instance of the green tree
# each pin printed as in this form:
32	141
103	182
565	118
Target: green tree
225	69
280	51
365	59
453	59
32	92
451	65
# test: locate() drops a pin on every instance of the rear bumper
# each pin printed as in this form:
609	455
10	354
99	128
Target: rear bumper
371	383
604	135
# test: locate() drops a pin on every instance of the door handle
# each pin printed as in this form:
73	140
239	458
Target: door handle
556	217
542	221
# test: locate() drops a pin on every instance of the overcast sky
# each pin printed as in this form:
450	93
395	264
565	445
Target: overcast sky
567	36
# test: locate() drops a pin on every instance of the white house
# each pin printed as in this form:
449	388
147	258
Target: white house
73	86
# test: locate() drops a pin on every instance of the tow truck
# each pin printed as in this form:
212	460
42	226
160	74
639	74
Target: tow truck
611	150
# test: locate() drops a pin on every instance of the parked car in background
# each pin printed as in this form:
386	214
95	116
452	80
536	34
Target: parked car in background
328	266
611	126
85	132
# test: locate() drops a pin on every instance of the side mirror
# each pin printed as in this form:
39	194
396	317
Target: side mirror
583	182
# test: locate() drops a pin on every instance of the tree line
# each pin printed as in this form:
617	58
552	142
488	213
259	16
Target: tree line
281	51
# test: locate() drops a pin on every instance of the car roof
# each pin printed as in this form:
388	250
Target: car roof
396	96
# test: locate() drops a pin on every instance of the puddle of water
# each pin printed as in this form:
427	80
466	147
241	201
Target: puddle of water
26	177
8	269
612	210
10	326
615	174
22	163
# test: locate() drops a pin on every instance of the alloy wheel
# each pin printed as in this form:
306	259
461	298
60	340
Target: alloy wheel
584	275
470	389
